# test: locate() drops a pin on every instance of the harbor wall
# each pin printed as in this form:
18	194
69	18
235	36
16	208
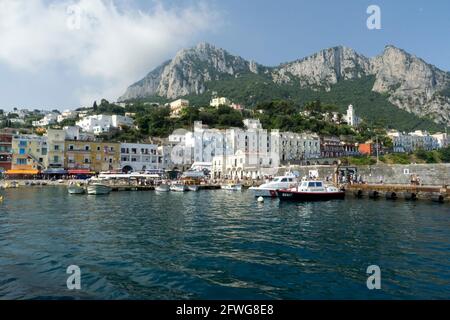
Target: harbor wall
429	174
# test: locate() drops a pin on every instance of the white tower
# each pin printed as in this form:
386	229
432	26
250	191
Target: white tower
352	120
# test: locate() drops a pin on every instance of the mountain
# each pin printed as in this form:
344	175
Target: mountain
397	80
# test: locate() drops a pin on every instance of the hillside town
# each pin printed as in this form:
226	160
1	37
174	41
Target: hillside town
56	150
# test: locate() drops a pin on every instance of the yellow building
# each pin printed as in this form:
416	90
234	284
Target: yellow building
91	155
29	154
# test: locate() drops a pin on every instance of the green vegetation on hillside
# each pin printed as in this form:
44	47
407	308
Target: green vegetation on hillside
252	90
419	156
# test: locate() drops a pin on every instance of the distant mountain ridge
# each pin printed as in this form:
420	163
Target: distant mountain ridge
407	81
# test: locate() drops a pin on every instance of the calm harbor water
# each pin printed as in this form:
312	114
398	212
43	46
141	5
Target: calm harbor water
219	245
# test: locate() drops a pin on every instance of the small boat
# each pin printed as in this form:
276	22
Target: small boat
178	187
163	187
269	189
311	190
98	188
231	187
76	188
193	187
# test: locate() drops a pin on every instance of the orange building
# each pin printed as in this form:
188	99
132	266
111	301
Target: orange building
366	148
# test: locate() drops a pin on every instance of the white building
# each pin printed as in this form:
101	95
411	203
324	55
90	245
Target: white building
178	105
75	133
67	114
49	118
17	121
413	141
296	147
99	124
179	149
135	157
351	117
246	153
442	139
220	101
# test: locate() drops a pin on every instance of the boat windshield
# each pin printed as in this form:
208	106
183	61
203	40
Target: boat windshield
315	184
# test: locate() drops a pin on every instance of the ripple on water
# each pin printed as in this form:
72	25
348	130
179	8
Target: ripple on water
218	245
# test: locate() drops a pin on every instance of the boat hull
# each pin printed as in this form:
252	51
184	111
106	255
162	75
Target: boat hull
178	188
268	193
287	195
76	190
231	188
162	188
98	189
193	188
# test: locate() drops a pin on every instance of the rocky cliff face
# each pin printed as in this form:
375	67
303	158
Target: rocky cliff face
189	71
409	82
324	68
412	84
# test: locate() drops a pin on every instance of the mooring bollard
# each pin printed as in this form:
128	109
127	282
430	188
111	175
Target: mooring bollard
358	193
410	196
391	195
373	194
437	197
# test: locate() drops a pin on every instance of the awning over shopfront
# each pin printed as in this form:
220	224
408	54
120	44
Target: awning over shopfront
80	171
22	172
54	171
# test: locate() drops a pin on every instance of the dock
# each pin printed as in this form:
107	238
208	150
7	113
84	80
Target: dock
400	191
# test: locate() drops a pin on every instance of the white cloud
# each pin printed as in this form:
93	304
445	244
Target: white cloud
111	43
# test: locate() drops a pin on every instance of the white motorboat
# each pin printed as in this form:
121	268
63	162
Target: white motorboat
76	188
178	187
231	187
163	187
269	189
98	188
311	190
193	187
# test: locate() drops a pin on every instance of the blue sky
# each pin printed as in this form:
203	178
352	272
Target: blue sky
44	66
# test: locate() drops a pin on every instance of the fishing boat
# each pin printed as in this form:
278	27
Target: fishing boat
163	187
76	188
178	187
193	187
98	188
231	187
311	190
269	189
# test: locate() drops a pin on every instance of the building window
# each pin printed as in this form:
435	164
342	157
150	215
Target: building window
22	143
21	161
71	147
22	151
55	159
86	148
56	147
